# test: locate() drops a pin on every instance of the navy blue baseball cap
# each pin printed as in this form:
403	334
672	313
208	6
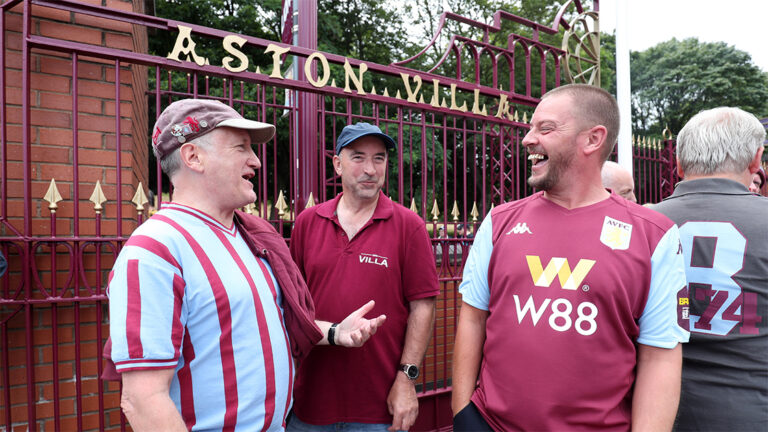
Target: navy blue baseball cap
351	133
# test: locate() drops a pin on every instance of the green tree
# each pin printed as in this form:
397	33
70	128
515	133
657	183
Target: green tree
608	62
674	80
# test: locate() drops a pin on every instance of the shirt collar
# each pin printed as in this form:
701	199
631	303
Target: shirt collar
714	185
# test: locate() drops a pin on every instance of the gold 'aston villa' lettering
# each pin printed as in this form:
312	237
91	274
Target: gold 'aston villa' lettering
308	70
237	61
412	93
435	93
229	45
349	74
476	105
277	52
463	107
185	38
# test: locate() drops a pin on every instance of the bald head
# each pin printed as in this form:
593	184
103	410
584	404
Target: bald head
619	180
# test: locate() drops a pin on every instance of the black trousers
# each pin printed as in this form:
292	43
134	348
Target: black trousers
469	419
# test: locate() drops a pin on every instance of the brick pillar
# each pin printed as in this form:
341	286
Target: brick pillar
62	337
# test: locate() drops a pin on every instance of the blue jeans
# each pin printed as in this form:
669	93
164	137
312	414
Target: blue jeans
296	425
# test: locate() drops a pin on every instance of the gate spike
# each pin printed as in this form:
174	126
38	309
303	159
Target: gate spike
435	211
52	196
397	95
413	206
98	198
474	212
310	201
492	206
281	205
373	89
333	82
386	93
455	212
525	117
140	198
516	117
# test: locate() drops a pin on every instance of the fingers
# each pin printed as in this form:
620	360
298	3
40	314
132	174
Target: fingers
363	310
397	421
377	322
402	419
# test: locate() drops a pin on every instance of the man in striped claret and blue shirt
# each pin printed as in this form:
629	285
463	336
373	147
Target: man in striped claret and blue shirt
207	309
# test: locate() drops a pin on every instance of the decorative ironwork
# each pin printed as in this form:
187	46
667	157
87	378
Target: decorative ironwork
140	198
474	213
581	43
435	212
455	212
667	133
310	201
97	197
53	196
281	205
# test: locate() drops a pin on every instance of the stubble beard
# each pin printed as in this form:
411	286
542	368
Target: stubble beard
556	167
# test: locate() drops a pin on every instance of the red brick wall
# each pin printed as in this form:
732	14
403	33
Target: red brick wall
67	329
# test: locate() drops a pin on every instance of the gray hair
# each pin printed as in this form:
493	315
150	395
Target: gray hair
171	163
719	140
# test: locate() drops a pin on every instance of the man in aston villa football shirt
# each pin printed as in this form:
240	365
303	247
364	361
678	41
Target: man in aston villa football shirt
569	319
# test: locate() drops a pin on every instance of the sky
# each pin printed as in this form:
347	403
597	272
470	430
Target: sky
740	23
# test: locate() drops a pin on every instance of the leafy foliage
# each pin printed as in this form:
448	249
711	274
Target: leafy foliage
674	80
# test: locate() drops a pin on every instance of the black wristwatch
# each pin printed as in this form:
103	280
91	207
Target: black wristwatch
410	370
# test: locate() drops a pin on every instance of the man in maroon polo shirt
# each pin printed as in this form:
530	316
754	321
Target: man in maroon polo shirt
355	247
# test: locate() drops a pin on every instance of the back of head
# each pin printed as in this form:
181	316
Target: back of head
718	141
609	171
595	107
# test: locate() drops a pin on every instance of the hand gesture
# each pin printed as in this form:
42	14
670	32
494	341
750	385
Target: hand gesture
402	403
354	330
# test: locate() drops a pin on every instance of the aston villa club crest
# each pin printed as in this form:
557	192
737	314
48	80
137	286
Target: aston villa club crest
616	234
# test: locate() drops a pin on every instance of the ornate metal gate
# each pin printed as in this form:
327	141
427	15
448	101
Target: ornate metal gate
79	93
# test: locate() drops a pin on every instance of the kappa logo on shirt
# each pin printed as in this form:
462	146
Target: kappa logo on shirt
520	228
374	259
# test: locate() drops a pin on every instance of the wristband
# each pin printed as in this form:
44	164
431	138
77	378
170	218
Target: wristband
332	334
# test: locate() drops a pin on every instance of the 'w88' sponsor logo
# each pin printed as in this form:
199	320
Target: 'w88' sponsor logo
563	316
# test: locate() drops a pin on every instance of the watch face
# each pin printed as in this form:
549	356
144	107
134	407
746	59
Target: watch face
412	371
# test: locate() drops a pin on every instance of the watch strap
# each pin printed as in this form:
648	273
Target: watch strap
332	334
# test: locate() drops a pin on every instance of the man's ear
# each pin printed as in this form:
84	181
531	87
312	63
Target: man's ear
596	136
192	156
680	171
337	164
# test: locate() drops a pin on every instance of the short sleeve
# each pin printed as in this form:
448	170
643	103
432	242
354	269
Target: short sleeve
659	322
419	270
474	284
146	292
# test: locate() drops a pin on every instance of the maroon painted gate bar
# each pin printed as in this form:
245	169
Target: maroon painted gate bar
79	93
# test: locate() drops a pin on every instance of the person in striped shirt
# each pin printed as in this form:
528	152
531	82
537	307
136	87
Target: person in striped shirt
207	310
